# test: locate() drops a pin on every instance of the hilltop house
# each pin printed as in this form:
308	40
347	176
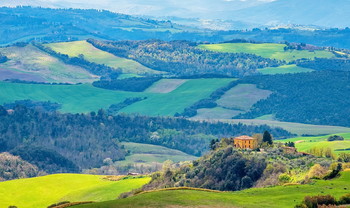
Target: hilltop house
245	142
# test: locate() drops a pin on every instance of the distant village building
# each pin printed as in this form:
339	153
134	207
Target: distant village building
10	111
245	142
289	150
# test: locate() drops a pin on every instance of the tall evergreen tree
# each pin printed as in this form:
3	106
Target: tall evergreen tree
267	138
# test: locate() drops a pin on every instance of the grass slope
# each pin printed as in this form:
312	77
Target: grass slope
93	54
267	50
147	153
165	85
32	63
295	128
284	69
40	192
306	143
86	98
273	197
237	100
176	101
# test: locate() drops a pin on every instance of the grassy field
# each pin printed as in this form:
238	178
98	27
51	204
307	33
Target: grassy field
242	97
147	153
304	144
237	100
267	50
284	69
295	128
168	104
86	98
32	63
166	85
96	55
40	192
273	197
216	113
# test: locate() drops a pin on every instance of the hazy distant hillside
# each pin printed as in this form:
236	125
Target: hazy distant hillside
329	13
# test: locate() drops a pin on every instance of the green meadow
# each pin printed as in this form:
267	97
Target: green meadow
304	144
86	98
147	153
295	128
90	53
284	69
272	197
32	62
267	50
41	192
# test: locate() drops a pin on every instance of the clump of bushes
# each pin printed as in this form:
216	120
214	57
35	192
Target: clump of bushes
335	138
323	201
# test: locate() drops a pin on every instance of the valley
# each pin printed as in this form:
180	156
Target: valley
100	109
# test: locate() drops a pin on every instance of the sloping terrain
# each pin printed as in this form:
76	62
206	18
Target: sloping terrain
274	197
327	13
304	144
31	64
73	96
267	50
90	53
41	192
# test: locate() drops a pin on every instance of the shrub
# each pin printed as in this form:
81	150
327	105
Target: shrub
284	178
344	157
335	138
314	201
344	199
317	171
335	169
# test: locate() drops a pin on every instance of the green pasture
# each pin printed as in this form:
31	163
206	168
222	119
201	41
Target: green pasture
285	69
86	98
41	192
272	197
90	53
267	50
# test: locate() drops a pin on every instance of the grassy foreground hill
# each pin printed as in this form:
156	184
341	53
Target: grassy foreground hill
273	197
304	144
43	191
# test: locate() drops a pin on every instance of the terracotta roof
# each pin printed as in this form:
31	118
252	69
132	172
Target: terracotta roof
244	138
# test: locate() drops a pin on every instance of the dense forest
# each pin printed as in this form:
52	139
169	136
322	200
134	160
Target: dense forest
13	167
3	58
326	64
183	58
74	141
321	97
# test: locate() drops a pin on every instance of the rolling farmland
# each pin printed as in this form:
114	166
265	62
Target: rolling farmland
31	64
267	50
90	53
41	192
274	197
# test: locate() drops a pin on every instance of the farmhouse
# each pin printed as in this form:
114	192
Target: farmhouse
245	142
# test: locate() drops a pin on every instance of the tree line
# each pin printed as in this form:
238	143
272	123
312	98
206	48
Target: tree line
184	58
81	141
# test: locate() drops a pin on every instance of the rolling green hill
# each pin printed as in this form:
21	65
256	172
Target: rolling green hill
267	50
90	53
304	144
238	99
273	197
147	153
31	64
295	128
40	192
86	98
